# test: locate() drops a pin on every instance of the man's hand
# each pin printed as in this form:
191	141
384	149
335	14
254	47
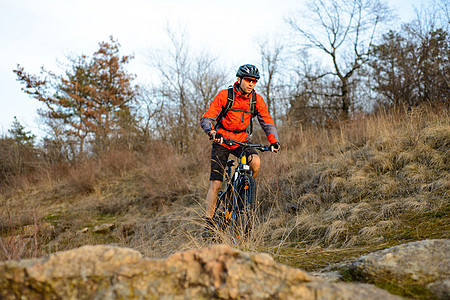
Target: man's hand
216	137
275	147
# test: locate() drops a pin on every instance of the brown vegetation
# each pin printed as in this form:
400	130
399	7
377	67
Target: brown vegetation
369	183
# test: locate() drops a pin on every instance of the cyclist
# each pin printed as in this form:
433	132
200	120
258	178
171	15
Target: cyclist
234	123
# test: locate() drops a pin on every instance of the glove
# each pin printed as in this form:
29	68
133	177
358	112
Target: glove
217	137
274	147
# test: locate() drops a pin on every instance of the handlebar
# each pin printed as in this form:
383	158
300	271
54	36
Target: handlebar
230	142
260	147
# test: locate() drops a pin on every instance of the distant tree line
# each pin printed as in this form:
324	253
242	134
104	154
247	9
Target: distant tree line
338	61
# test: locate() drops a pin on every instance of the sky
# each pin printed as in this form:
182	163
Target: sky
36	33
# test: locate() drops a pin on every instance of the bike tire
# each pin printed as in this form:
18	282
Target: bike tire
221	215
246	203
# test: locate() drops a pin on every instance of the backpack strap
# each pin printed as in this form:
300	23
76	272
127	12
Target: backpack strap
230	101
226	108
253	105
252	111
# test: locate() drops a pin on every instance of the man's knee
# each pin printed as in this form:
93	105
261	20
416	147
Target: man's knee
215	185
255	162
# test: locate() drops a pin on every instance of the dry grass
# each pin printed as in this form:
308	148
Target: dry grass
355	188
361	184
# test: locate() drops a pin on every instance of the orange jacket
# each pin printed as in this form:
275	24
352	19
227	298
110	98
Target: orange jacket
238	120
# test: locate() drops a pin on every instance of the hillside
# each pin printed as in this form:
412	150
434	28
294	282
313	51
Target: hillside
329	196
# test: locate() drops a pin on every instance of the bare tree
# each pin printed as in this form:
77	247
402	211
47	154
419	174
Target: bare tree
410	67
173	66
430	16
187	84
271	59
206	79
344	31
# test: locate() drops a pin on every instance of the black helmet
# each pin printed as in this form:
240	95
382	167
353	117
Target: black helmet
248	71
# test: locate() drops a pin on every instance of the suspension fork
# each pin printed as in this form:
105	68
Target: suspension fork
242	170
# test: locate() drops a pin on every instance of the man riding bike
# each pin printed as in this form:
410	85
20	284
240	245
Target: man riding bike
232	110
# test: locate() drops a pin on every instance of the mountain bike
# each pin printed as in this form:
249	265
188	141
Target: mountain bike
236	203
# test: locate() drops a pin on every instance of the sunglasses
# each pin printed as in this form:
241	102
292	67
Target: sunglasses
248	80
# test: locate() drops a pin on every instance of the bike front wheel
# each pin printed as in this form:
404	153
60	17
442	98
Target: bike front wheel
245	206
222	214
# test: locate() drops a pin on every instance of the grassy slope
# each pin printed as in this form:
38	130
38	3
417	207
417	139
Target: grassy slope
328	197
383	181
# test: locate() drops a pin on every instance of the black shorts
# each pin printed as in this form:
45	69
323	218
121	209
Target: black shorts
219	158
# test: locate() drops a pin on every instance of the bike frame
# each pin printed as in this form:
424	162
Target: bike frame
230	197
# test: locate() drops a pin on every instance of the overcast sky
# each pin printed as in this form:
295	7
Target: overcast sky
35	33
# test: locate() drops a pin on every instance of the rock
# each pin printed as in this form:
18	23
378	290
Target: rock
84	230
218	272
440	288
423	264
331	276
103	228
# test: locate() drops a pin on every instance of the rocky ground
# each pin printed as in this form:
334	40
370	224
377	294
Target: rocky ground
221	272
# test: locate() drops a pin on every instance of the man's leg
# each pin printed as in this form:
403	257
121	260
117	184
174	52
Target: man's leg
211	197
211	200
255	163
219	156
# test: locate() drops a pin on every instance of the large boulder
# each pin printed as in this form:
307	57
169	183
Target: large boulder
424	264
218	272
